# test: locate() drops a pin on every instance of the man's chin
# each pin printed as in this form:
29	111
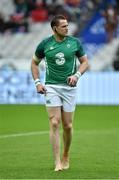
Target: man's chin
64	35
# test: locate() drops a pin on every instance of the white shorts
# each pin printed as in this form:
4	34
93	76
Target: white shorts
59	95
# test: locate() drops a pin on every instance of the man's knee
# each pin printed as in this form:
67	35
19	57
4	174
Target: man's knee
55	121
68	127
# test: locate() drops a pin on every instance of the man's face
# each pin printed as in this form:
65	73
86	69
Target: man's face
62	28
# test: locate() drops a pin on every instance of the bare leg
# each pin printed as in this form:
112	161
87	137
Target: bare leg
55	117
67	137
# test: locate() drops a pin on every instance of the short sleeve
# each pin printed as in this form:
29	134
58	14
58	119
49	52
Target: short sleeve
39	53
80	50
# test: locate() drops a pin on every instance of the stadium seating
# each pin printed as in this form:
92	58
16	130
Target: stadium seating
39	15
19	48
7	8
104	58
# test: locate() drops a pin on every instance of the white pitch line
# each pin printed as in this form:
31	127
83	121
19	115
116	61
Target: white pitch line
23	134
80	132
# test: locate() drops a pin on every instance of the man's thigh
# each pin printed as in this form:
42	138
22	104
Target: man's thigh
69	100
67	118
52	97
54	114
61	96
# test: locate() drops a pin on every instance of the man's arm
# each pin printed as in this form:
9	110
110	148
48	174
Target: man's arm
72	80
83	64
35	69
35	73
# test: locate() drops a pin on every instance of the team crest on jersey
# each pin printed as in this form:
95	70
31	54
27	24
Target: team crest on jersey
60	60
68	45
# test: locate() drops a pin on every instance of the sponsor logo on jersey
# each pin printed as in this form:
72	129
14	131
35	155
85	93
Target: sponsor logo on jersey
51	48
60	60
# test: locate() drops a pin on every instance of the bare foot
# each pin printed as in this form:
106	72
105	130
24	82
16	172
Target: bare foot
58	167
65	162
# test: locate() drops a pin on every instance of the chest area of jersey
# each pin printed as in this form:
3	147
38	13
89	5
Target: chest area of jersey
60	53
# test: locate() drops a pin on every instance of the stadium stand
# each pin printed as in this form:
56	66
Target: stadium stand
116	60
16	49
103	59
7	8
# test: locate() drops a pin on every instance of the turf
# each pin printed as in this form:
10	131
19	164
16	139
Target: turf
94	151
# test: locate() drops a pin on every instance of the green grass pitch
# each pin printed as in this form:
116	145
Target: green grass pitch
25	150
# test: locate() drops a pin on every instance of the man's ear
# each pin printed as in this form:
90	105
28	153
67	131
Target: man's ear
54	29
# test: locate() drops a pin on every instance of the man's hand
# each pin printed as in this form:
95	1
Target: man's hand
41	89
72	80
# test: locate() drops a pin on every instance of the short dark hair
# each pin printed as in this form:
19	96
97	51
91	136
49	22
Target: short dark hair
55	20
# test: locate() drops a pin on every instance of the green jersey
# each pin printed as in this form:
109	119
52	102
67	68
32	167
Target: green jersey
60	58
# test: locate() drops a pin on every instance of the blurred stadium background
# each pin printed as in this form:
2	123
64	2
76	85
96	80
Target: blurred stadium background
28	23
23	24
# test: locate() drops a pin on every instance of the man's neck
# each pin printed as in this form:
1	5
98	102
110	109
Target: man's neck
59	38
